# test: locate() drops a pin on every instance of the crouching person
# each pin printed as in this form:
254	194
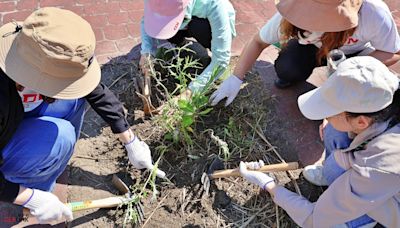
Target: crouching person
210	22
361	101
48	72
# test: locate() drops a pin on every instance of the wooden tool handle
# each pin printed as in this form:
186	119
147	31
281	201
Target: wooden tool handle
109	202
264	169
101	203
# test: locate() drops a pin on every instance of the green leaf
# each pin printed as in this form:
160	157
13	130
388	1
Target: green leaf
205	112
190	129
182	103
168	136
187	121
186	107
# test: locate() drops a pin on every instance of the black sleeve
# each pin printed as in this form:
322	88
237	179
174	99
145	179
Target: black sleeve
11	115
107	105
8	190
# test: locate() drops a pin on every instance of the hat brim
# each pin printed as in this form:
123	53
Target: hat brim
31	77
314	107
317	16
161	27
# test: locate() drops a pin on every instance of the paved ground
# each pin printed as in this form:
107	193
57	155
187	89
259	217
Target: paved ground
117	28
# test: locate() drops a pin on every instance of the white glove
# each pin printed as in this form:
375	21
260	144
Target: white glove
229	89
140	156
47	208
255	177
254	165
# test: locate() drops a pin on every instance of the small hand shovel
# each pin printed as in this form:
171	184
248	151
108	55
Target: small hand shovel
216	170
109	202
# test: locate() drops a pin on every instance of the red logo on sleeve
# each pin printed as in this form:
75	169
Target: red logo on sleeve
32	97
352	40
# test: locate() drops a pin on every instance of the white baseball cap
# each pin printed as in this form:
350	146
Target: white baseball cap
360	85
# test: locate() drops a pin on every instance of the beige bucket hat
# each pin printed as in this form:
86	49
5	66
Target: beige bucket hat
52	53
320	15
361	84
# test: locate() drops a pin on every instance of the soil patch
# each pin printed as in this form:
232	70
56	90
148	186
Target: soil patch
231	202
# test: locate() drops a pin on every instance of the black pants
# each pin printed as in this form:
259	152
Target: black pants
296	62
198	28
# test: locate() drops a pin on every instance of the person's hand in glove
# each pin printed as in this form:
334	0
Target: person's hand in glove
47	208
228	89
261	179
140	156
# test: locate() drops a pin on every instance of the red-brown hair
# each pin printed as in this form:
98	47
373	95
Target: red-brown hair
330	40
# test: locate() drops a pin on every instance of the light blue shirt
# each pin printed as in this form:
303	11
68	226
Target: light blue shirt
221	15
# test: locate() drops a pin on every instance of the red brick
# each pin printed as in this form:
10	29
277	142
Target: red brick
249	29
113	32
237	47
45	3
18	16
126	45
136	16
269	10
102	8
7	6
252	17
27	4
246	37
97	20
131	5
393	4
396	13
84	2
98	32
105	47
76	9
118	18
133	29
260	24
103	59
251	5
258	5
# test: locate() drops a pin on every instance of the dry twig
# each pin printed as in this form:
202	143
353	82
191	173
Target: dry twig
152	213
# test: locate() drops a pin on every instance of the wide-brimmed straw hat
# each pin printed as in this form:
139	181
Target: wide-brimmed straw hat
361	84
163	18
52	53
320	15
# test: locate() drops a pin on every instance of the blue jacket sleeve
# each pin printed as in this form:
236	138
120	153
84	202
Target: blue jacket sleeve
220	44
147	41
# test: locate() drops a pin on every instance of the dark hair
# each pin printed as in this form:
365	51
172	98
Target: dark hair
392	111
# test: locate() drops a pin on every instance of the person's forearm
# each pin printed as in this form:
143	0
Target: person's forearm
385	57
23	195
249	56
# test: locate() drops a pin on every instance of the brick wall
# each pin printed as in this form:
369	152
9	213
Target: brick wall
115	22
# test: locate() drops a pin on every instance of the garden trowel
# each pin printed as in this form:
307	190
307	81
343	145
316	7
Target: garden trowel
216	170
110	202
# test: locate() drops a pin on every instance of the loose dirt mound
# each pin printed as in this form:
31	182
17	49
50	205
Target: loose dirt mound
231	202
